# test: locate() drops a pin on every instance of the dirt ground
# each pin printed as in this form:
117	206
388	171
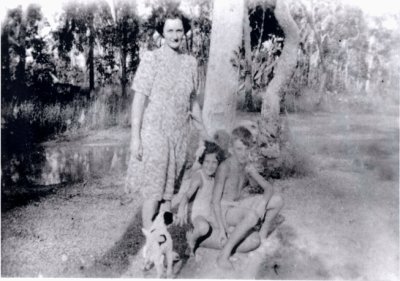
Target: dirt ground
342	220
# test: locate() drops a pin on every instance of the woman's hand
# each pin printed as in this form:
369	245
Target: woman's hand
199	124
137	149
166	206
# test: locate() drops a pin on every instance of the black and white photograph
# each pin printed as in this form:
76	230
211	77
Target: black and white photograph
200	139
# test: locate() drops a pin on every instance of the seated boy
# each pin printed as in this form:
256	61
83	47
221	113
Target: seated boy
205	230
231	207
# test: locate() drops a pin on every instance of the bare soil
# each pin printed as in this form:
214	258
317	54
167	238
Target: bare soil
342	220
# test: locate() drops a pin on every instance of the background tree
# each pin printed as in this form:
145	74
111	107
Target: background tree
5	60
341	51
220	94
16	51
127	31
287	61
248	87
200	39
79	31
40	63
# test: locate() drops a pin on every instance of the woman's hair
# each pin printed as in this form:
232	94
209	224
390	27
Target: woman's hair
171	13
244	135
210	148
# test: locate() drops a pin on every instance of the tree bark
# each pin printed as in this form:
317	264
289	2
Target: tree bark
91	53
262	30
5	59
369	62
222	80
249	73
124	78
324	70
123	55
20	70
287	62
124	44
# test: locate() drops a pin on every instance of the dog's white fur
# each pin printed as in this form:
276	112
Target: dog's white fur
158	247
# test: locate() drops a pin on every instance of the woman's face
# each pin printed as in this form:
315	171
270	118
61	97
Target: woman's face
173	33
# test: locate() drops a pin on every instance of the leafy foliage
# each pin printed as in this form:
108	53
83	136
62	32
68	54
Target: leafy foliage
93	52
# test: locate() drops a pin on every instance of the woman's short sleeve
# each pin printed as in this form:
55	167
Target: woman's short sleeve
144	76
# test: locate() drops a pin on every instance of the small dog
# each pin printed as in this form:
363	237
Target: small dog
159	245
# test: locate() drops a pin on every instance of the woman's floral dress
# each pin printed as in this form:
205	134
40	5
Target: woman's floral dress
169	79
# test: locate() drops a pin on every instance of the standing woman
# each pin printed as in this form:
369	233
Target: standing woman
165	86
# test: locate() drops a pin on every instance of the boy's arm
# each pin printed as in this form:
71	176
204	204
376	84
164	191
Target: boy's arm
255	175
220	179
195	183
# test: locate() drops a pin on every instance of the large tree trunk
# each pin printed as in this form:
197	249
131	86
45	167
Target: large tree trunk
287	62
222	79
270	125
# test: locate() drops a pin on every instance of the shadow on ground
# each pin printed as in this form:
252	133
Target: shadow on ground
18	196
117	260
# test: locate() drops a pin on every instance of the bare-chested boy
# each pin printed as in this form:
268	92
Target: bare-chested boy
232	207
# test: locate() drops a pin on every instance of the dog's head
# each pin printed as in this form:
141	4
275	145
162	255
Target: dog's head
158	230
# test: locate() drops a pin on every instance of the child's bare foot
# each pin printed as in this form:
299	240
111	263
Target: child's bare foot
224	263
277	221
191	243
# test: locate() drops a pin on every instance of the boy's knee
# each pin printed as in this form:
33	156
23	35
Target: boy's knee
252	217
255	239
202	226
276	202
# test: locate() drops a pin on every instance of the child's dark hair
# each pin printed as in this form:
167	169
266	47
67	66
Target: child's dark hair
211	147
171	13
244	135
